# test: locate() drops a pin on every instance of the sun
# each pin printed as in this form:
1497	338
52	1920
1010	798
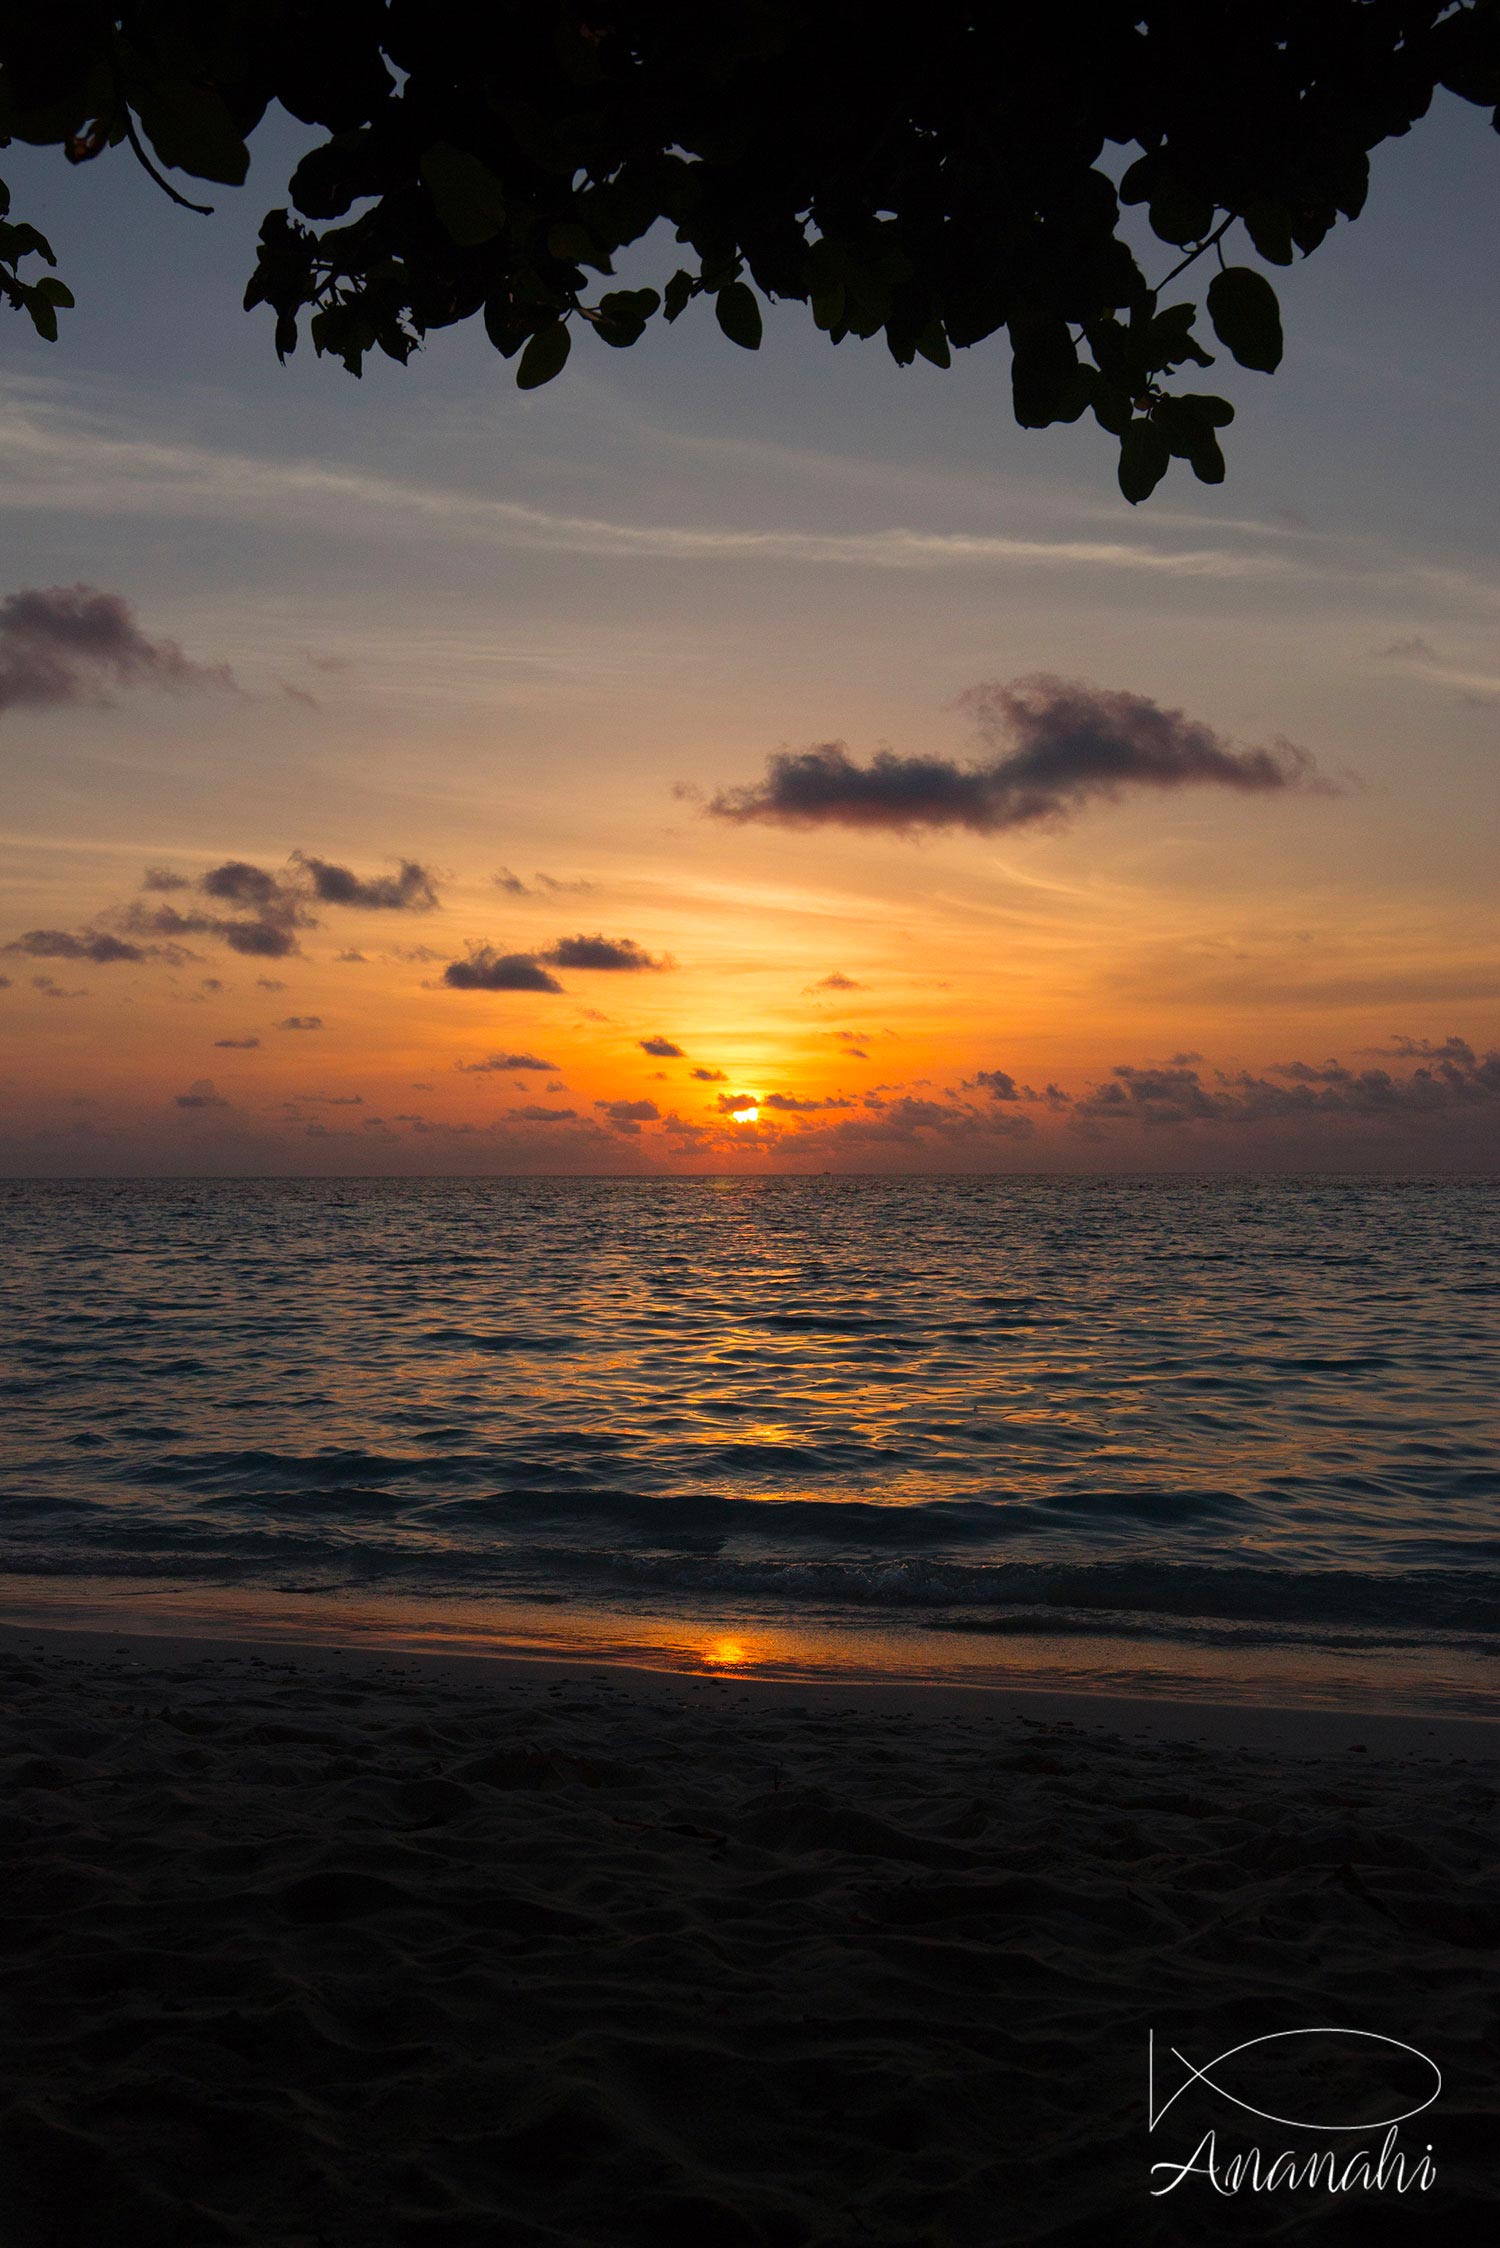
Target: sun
746	1115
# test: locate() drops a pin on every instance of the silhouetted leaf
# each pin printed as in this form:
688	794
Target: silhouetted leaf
1144	459
1242	306
545	356
739	315
1044	363
465	194
191	130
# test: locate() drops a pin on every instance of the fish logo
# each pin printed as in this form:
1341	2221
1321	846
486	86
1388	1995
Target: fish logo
1349	2046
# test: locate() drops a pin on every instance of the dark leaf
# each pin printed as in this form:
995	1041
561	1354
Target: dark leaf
192	131
739	315
465	194
1144	459
545	356
1242	306
1043	366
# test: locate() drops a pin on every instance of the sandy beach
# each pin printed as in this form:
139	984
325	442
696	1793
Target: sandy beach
332	1948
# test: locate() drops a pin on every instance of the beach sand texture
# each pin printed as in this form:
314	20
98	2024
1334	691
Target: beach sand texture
320	1950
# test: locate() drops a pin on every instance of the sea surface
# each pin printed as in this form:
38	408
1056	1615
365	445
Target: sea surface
1207	1437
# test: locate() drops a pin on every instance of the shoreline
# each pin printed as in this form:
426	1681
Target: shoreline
1281	1729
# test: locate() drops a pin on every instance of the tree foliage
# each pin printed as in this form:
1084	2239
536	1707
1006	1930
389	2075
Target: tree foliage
927	175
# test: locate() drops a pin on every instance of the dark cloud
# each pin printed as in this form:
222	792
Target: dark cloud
300	1022
1423	1049
269	909
65	944
547	884
237	882
663	1049
1309	1090
1414	650
268	936
710	1077
601	952
1058	744
268	983
730	1104
488	970
331	1100
4	983
537	1115
409	890
352	959
836	982
787	1104
503	1063
201	1094
998	1083
238	1045
628	1116
65	643
51	990
163	878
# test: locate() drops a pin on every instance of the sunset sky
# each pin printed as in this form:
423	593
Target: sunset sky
403	796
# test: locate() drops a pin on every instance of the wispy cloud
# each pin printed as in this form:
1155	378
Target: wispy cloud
58	457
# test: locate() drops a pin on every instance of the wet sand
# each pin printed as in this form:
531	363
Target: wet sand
320	1948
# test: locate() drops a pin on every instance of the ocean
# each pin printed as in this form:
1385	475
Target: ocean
1228	1438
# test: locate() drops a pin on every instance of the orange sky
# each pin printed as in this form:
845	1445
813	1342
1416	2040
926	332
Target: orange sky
527	641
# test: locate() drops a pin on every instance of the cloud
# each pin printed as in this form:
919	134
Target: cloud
710	1077
488	970
268	936
510	882
1423	1049
201	1094
352	959
663	1049
1166	1097
534	1114
63	644
628	1116
269	983
64	944
268	909
410	890
787	1104
1058	744
1414	650
999	1084
504	1063
601	952
50	990
576	888
238	1045
836	982
300	1022
730	1104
